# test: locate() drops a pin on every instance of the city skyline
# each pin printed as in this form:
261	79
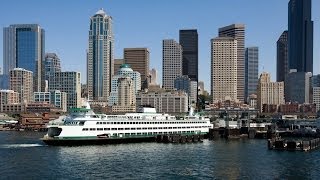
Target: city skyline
70	43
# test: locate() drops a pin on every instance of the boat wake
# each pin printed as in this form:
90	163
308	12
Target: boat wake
6	146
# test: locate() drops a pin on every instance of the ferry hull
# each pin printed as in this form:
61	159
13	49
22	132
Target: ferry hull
96	141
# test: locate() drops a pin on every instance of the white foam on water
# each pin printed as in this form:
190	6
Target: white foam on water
20	145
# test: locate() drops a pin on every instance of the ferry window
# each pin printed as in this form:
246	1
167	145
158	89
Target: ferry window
133	133
160	128
130	122
144	128
120	128
118	122
133	128
121	122
155	128
179	127
85	129
106	129
148	122
100	129
174	127
98	122
149	127
149	132
138	128
111	122
126	128
170	127
165	128
104	123
138	133
144	133
113	128
92	129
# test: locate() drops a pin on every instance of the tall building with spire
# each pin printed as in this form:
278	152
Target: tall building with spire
300	36
23	47
100	56
237	31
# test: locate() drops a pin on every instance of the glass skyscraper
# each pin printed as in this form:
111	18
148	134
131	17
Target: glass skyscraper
23	46
282	57
188	39
251	70
100	56
300	35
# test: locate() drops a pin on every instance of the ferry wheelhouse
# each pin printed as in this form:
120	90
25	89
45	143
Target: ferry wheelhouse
83	126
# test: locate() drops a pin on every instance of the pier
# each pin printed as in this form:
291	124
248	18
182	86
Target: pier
293	145
179	138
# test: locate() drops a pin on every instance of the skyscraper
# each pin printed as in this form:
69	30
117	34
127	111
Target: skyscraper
172	62
300	36
237	31
21	81
282	57
51	64
23	47
68	82
100	56
251	71
138	58
188	39
223	68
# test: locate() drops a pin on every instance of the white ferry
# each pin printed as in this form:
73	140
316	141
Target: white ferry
83	126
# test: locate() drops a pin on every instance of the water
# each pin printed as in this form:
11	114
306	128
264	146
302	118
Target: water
24	156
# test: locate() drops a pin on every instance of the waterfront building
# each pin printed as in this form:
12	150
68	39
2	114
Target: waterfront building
56	98
163	101
171	62
251	71
15	108
282	57
117	64
51	65
139	59
188	39
297	87
23	47
300	36
68	82
224	69
126	96
21	81
316	97
269	93
9	97
100	56
237	31
124	71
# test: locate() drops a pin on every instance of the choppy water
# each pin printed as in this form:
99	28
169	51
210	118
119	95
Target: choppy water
24	156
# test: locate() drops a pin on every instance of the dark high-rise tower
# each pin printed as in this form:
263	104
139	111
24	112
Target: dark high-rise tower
251	71
188	39
300	35
237	31
282	57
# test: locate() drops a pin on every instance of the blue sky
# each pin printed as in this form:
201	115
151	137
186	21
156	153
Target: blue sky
145	23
